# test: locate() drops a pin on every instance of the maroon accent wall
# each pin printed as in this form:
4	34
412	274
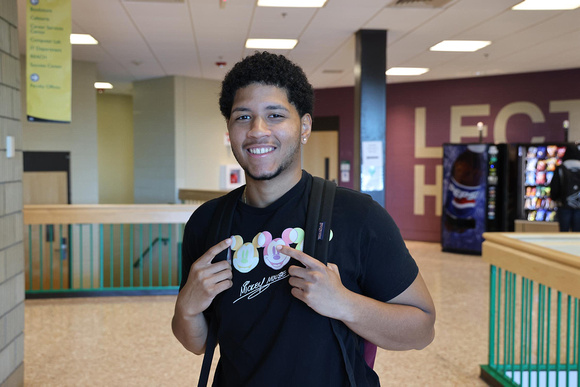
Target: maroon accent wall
438	98
339	102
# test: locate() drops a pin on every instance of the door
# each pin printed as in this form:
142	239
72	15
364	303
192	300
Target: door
320	154
45	181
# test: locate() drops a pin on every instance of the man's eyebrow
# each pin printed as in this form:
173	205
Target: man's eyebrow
276	107
269	107
240	109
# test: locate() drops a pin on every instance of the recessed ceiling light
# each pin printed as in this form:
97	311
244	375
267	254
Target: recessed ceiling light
82	39
546	5
292	3
460	45
103	85
406	71
272	44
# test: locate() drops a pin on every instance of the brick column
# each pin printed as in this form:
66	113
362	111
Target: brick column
11	228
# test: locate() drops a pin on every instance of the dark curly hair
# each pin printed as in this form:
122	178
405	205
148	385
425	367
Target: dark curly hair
268	69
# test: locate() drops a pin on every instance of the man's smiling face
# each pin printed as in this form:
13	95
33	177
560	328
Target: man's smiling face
266	131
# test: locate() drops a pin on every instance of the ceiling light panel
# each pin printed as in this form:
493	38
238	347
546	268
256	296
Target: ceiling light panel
153	1
406	71
292	3
271	44
82	39
460	45
546	5
103	85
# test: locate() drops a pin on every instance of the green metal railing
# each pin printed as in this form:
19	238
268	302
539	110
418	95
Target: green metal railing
81	252
534	333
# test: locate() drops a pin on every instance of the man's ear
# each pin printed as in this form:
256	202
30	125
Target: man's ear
305	128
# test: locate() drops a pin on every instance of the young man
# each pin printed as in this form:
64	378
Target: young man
565	186
273	304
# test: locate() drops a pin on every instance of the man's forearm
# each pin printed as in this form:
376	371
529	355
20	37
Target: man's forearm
190	331
390	326
405	322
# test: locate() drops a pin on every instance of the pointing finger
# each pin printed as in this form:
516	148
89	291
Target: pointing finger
215	250
300	256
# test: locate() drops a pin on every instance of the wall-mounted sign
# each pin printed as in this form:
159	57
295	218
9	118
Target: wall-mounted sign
345	171
231	176
48	60
372	172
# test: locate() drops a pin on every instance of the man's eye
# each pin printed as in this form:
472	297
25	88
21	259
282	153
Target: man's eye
244	117
275	115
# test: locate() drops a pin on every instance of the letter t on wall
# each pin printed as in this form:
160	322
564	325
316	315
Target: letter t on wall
572	107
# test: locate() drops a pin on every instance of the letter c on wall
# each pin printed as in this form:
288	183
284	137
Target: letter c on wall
528	108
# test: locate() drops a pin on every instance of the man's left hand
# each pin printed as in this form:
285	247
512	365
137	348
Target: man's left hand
316	284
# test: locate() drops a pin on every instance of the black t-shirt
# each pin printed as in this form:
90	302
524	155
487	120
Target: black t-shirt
268	337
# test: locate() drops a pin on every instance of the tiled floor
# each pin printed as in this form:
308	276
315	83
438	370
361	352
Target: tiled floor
128	341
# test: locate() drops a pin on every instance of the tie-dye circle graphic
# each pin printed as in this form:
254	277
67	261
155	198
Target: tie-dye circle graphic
294	235
273	257
246	258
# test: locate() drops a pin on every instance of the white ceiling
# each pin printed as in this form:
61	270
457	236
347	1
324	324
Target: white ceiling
149	39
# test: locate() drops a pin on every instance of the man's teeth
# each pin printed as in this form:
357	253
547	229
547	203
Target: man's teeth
260	151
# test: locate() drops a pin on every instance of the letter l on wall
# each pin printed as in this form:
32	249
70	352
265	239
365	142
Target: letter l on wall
421	149
420	189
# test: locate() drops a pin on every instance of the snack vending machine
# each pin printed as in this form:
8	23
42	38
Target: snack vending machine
479	186
538	163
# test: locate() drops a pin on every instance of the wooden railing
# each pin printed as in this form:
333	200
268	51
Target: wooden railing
107	213
534	323
74	249
198	196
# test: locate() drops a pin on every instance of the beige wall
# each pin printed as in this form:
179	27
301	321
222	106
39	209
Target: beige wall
154	140
78	137
11	248
200	130
179	137
104	133
115	143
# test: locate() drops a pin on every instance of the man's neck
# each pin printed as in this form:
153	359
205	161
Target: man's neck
262	193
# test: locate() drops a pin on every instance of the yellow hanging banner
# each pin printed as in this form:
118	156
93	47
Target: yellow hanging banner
48	60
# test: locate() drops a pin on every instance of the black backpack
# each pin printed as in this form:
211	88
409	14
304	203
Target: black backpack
318	220
570	183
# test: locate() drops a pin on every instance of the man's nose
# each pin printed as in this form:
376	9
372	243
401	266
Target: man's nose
259	127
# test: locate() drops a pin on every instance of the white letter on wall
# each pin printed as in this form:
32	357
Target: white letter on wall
421	190
572	107
458	112
421	149
528	108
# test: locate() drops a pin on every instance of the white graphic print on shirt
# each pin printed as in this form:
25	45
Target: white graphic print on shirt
253	290
246	257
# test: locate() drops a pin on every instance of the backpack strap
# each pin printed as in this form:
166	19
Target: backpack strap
318	221
221	222
219	229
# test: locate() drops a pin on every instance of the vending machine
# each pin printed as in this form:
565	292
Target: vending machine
479	194
537	163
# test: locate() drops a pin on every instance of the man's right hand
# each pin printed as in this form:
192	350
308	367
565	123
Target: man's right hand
205	281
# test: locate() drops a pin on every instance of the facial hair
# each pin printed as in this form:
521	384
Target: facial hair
284	164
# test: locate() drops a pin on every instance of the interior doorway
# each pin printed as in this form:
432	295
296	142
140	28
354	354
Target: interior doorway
320	154
45	180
